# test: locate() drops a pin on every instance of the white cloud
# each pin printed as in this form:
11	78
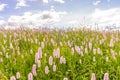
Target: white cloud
2	6
96	2
106	17
60	1
45	1
21	3
2	22
37	19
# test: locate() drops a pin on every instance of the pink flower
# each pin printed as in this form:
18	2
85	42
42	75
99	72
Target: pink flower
94	51
46	70
50	60
93	76
111	43
77	49
113	54
106	76
69	43
72	50
39	63
56	53
52	41
86	50
12	78
90	46
65	79
62	60
42	45
34	70
18	75
30	76
54	67
99	51
40	52
36	57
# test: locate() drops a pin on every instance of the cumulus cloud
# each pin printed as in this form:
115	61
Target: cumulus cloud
2	6
21	3
60	1
106	17
96	2
2	22
37	19
45	1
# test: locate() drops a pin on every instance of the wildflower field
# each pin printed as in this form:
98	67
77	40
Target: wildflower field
59	55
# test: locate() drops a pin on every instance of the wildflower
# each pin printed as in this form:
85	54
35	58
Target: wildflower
72	50
93	76
40	52
12	78
39	63
18	75
11	46
113	54
36	57
56	53
81	53
69	44
61	44
46	70
62	60
90	46
42	45
99	51
30	76
111	43
86	50
77	49
54	67
106	76
34	70
50	60
94	51
65	79
107	58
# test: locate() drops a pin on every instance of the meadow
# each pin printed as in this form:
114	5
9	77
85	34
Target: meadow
59	54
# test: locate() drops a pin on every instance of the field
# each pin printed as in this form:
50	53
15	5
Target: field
59	55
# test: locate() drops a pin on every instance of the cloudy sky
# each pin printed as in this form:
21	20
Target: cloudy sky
59	12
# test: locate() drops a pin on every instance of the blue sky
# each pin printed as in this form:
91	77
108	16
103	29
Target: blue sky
59	12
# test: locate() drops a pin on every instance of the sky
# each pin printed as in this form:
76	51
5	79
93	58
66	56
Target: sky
58	13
